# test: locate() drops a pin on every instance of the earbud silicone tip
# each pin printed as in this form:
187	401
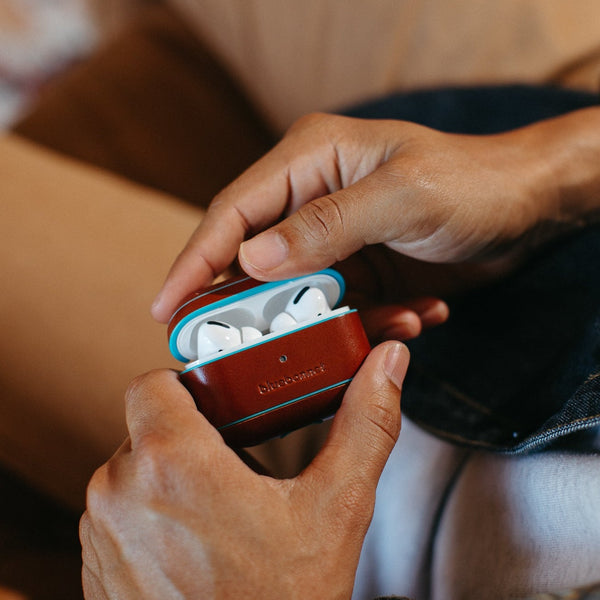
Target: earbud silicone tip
250	333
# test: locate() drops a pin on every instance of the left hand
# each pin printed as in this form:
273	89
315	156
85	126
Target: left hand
383	201
176	513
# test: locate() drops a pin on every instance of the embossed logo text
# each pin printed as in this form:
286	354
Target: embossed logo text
271	386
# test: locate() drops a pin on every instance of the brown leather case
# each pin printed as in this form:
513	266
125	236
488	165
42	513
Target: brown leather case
278	384
281	385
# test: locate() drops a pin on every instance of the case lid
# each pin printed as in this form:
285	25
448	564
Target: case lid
243	301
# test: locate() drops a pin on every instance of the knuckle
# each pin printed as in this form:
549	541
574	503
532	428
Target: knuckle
103	507
384	418
310	121
152	455
98	491
323	219
136	385
321	126
86	535
218	201
149	472
154	466
85	527
142	384
227	211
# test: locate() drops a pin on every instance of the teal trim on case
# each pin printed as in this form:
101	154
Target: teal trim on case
208	362
341	282
268	410
235	298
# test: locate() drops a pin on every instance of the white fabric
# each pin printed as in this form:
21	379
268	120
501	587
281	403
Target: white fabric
453	525
396	554
514	527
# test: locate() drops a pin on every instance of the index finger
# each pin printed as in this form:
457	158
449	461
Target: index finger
292	173
247	205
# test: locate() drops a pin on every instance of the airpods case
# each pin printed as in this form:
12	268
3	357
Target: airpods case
276	381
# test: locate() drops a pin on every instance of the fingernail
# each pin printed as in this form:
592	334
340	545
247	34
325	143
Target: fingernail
438	313
405	328
156	303
265	251
396	363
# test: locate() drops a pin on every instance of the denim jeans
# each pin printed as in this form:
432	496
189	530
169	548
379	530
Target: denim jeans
517	366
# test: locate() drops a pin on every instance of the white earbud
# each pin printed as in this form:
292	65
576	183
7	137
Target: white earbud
309	303
216	336
249	334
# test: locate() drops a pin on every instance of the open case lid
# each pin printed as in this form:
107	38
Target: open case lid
243	301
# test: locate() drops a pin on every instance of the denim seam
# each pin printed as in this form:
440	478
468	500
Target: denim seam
556	432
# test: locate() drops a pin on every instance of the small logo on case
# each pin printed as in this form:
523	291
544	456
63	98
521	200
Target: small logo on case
271	386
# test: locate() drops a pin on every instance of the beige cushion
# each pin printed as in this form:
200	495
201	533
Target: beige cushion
295	57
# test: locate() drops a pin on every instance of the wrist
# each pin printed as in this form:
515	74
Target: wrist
569	149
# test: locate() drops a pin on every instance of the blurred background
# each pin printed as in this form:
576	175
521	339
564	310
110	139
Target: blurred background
41	38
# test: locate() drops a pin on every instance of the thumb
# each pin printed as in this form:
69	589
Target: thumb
323	231
363	433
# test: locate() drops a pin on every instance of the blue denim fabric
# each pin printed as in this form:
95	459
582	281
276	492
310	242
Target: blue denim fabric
477	110
517	366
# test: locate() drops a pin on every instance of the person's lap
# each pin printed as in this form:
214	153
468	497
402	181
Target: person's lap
516	526
396	556
427	529
451	523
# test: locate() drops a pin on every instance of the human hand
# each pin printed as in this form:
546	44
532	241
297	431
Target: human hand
350	183
176	513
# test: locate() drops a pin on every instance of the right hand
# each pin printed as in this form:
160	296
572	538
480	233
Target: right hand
176	513
344	184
